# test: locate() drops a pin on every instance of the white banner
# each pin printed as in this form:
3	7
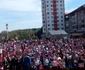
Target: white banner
0	50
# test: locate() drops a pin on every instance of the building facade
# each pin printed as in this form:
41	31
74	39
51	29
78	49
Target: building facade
53	15
75	21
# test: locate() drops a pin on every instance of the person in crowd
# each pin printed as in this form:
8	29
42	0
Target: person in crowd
5	63
46	61
37	63
43	53
26	62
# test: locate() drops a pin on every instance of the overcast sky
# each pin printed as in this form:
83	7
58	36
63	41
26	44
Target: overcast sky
22	14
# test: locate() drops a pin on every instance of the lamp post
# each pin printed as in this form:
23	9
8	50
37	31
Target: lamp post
7	31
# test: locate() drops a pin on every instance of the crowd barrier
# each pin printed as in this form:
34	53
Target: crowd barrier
56	69
65	69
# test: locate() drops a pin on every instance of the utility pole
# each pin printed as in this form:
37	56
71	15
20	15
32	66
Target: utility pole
7	31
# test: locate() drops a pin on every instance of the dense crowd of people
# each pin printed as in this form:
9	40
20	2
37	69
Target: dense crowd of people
43	53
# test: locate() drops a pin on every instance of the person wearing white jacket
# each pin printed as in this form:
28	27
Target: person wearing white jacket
37	63
46	63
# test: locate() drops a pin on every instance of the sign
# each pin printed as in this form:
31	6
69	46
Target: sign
0	50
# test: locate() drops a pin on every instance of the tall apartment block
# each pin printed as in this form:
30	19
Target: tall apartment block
53	15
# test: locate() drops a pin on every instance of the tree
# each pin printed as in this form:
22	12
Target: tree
3	34
23	34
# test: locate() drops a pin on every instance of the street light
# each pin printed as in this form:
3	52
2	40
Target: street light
7	31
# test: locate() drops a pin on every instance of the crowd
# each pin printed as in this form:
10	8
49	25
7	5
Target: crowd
38	54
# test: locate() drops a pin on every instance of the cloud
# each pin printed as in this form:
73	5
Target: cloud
21	5
25	25
20	14
24	5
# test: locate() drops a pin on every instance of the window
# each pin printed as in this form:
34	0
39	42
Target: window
48	24
58	24
48	9
61	12
44	25
61	20
43	14
51	12
57	1
47	5
43	7
48	17
61	8
61	16
73	27
52	28
57	20
60	0
44	29
52	21
58	28
47	1
61	24
43	17
52	24
51	16
82	25
43	21
60	4
47	12
51	5
48	28
82	20
57	16
67	27
57	8
62	28
48	21
42	3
